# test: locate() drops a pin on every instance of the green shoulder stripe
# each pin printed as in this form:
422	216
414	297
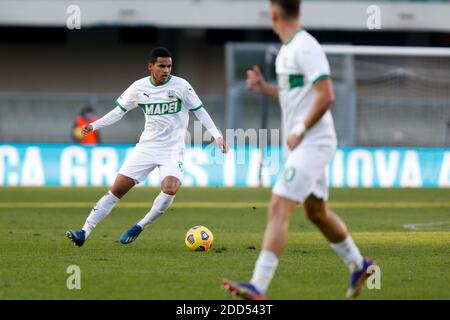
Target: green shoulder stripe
195	109
120	106
322	76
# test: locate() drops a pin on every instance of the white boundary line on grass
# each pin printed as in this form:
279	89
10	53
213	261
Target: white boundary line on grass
421	226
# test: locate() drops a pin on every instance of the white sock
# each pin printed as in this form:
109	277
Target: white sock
161	203
349	253
264	270
100	211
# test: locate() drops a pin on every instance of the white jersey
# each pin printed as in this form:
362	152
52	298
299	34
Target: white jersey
300	64
166	108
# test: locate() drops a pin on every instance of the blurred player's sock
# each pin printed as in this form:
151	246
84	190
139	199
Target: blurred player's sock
161	203
100	211
264	270
349	253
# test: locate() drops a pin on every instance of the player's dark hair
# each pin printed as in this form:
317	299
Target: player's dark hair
159	52
290	9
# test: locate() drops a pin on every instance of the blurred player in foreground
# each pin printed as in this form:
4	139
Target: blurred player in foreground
166	101
305	92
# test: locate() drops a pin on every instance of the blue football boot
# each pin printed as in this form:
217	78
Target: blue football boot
131	234
76	236
358	279
242	290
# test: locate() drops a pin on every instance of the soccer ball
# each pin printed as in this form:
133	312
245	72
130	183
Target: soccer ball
199	238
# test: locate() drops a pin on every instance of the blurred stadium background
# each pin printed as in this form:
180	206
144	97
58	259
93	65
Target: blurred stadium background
390	93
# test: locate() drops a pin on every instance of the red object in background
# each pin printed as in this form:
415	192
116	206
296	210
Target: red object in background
92	137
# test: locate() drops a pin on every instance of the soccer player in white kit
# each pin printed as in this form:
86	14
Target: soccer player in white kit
166	101
305	93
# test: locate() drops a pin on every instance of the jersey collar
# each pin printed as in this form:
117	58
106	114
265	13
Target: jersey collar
293	36
158	85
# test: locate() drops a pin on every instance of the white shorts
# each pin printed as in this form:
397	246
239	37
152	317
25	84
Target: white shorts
304	172
141	162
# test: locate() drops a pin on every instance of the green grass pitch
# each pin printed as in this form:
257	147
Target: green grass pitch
407	231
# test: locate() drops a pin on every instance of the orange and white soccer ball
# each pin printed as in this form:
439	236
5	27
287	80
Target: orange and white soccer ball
199	238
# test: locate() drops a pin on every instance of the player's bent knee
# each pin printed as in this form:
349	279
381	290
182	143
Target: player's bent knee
314	217
118	192
315	209
275	207
170	185
122	185
315	214
170	191
280	208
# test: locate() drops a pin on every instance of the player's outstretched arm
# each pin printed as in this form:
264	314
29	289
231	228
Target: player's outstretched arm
256	82
208	123
108	119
